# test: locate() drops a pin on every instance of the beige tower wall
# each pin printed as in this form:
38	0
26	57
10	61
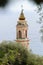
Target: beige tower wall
21	31
23	42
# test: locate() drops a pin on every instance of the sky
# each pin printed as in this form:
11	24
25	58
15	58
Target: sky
8	20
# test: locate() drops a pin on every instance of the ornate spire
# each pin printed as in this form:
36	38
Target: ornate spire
22	17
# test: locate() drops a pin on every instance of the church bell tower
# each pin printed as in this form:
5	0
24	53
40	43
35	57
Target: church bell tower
21	31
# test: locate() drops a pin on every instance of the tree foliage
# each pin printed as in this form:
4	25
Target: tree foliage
12	53
38	2
3	3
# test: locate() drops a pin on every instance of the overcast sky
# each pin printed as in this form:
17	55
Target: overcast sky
8	20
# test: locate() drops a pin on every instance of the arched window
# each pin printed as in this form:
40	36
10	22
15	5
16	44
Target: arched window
26	33
20	34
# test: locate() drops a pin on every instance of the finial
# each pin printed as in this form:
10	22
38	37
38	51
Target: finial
22	8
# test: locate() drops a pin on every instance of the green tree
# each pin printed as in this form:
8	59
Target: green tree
3	3
12	53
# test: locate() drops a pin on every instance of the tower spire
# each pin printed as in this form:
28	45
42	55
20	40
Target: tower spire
22	17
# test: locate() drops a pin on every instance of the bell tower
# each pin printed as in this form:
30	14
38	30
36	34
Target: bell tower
21	30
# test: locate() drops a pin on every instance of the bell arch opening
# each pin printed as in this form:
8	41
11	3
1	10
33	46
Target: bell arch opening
20	34
26	33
